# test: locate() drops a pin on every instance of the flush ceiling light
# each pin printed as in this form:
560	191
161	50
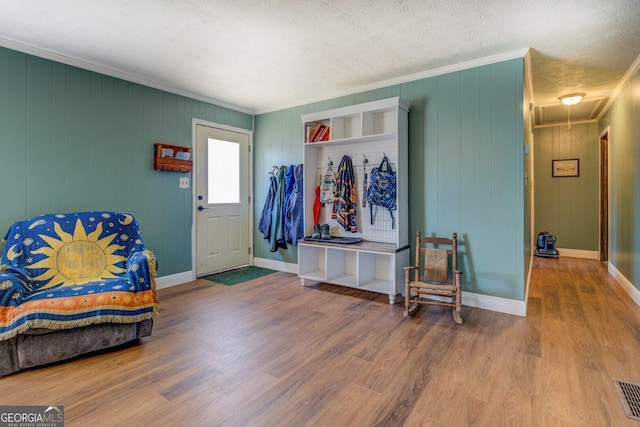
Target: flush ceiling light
569	101
572	99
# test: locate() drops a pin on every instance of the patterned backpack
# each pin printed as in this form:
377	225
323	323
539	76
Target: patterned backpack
328	187
382	189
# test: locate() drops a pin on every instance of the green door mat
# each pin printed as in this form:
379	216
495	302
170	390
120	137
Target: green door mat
239	275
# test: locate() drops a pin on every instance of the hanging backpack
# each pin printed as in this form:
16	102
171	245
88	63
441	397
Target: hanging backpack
327	187
382	189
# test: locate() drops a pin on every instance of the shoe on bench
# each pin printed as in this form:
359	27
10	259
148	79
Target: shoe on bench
316	231
325	235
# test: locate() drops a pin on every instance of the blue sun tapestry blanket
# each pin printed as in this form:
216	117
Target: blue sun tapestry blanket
61	271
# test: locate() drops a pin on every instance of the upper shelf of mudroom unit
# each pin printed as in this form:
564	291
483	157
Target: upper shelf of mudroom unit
355	139
372	121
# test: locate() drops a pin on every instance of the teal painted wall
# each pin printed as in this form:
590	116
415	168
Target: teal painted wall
624	197
76	140
466	167
568	207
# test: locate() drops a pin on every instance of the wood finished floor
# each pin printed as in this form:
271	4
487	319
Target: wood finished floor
271	353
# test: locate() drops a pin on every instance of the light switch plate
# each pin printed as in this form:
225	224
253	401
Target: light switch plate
184	182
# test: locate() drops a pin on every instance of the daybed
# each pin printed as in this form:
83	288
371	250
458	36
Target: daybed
72	284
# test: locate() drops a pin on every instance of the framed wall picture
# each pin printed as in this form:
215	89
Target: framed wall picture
565	168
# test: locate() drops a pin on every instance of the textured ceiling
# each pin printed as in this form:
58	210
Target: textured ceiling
260	55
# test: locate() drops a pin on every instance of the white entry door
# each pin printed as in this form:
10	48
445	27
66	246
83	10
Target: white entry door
222	198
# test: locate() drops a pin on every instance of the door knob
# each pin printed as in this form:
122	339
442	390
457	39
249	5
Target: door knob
201	208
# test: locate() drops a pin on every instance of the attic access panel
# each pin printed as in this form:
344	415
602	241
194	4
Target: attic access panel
555	114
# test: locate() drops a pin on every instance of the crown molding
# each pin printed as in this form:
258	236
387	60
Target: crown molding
111	72
488	60
97	68
633	69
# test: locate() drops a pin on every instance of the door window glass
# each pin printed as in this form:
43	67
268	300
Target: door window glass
223	171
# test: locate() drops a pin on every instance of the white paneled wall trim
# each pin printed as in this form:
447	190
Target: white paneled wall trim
628	287
485	302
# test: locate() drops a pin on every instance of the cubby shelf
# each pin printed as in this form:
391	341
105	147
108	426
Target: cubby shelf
370	130
355	139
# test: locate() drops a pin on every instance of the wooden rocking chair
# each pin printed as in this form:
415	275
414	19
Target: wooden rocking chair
434	280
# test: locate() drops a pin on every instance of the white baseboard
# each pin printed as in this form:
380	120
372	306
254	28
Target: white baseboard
579	253
628	287
276	265
486	302
175	279
501	305
470	299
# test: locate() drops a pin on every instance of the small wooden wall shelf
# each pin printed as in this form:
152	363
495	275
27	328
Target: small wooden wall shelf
168	157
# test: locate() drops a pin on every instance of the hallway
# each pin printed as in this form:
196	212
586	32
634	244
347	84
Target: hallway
589	334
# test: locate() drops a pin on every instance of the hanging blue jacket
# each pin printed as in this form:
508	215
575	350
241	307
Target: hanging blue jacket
265	218
276	237
294	216
289	182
